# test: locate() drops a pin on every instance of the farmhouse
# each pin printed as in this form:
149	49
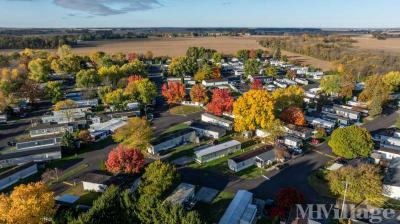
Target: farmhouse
50	129
217	151
241	210
214	82
171	140
32	155
299	131
13	175
207	130
258	156
182	194
218	121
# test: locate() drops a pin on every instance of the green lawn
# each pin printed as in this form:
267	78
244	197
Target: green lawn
214	211
176	128
250	173
86	197
70	173
184	150
185	110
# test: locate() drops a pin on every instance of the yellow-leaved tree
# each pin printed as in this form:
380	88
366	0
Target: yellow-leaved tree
65	104
255	109
137	133
32	203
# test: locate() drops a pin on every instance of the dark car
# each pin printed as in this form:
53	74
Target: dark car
282	166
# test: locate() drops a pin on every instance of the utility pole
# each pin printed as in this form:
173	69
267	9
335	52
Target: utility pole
344	198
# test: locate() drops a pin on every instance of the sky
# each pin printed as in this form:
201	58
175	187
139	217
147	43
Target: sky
200	13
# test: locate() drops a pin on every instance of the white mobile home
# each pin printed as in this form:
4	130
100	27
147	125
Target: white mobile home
50	129
207	130
214	82
218	121
32	155
292	141
13	175
249	159
171	140
299	131
241	210
217	151
183	193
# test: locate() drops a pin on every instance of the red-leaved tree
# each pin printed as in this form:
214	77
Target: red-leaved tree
134	78
198	94
277	212
222	101
257	84
174	92
288	197
132	56
124	160
293	115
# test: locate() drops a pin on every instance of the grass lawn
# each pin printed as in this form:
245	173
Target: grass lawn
184	150
214	211
70	173
86	197
176	128
185	110
250	173
317	181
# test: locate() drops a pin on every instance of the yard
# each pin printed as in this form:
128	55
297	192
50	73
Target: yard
176	128
185	110
86	197
214	211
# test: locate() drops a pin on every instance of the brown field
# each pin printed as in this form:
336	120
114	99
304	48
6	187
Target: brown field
177	47
368	43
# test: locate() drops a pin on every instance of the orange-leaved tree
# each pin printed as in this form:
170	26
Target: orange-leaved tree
31	203
222	101
198	94
174	92
125	160
293	115
257	84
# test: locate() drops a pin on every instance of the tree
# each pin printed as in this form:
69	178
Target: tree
288	197
243	54
108	208
137	133
364	183
30	90
392	79
158	178
84	136
330	84
64	51
116	98
53	90
182	66
87	78
65	104
271	71
257	85
147	91
199	94
347	85
205	73
376	93
289	97
27	203
124	160
281	152
39	69
110	75
174	92
3	102
221	102
293	115
320	133
68	141
251	67
217	57
351	142
254	109
136	67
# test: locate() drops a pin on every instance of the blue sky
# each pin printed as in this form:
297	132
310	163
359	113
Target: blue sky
200	13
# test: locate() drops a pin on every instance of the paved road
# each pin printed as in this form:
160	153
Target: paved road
294	176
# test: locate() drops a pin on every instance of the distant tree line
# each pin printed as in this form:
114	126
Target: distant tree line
36	42
358	63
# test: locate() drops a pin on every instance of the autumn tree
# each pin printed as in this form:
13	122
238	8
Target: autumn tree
364	183
65	104
243	54
207	72
351	142
30	90
31	203
199	94
87	78
392	79
376	93
158	178
293	115
39	69
271	71
110	75
147	91
288	197
53	90
257	85
217	57
254	109
137	133
289	97
84	136
3	102
221	102
136	67
251	67
182	66
330	84
174	92
124	160
116	98
281	152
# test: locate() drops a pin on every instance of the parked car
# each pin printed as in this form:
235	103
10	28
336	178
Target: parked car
297	151
282	166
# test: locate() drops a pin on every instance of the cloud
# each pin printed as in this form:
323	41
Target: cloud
106	7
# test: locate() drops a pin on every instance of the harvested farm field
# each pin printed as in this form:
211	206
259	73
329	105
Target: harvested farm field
366	42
